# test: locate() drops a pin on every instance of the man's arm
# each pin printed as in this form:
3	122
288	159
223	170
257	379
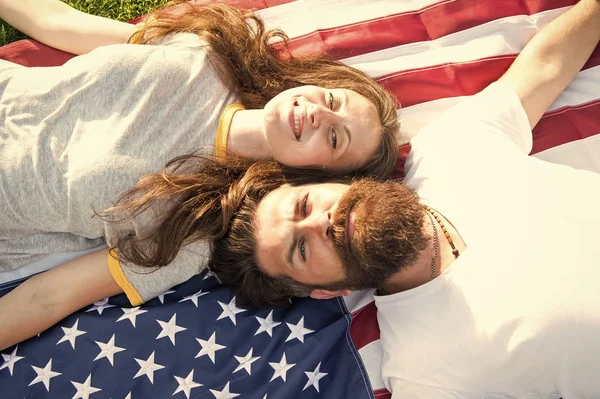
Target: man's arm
58	25
553	57
47	298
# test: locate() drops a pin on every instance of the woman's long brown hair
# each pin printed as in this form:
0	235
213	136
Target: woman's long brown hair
203	197
256	64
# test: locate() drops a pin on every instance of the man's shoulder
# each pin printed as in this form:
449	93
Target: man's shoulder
476	125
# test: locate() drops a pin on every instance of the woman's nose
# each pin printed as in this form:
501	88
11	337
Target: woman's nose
318	114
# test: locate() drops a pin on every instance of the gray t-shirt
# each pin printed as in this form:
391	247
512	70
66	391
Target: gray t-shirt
75	136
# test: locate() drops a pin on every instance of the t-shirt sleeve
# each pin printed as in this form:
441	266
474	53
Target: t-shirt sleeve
494	112
484	139
140	283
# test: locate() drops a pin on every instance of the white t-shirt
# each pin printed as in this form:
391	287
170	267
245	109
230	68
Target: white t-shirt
518	313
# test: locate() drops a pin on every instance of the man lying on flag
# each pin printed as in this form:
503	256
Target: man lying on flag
485	260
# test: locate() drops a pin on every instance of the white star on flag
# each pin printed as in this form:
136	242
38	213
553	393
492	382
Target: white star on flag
170	329
281	368
71	334
314	377
147	368
297	331
161	297
108	350
209	347
131	314
224	394
230	310
194	297
266	325
84	390
10	360
100	306
44	375
246	362
186	384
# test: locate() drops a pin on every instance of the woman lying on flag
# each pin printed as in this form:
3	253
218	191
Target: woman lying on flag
75	136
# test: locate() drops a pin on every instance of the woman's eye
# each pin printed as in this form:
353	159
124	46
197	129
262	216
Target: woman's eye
302	251
331	101
305	206
333	139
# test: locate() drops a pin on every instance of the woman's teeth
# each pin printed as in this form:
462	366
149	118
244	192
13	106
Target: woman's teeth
297	116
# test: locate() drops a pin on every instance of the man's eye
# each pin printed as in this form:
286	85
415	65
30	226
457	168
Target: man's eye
302	250
305	205
333	139
331	101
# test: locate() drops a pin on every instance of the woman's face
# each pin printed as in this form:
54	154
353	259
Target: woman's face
313	126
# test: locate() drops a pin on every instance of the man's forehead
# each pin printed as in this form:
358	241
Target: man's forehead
274	231
275	221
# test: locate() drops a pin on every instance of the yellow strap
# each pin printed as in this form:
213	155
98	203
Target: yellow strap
117	272
223	127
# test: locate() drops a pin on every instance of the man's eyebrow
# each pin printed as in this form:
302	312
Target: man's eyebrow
294	237
292	248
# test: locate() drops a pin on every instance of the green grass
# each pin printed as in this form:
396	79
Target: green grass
121	10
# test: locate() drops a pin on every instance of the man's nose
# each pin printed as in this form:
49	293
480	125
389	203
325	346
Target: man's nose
318	223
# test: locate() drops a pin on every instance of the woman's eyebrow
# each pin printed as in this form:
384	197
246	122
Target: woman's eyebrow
347	129
346	103
347	141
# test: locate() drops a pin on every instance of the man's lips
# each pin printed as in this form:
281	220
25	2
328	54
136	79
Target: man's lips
296	120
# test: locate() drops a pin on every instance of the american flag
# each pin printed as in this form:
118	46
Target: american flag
429	53
194	341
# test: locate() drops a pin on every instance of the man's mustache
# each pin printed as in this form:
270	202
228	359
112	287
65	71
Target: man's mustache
340	220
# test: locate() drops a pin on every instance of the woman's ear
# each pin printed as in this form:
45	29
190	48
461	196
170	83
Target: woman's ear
327	294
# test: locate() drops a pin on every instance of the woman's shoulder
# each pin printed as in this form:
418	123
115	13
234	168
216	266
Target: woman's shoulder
175	55
181	39
172	47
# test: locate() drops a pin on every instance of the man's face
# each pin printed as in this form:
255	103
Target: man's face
294	233
335	235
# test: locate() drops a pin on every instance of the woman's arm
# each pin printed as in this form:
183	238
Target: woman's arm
553	57
58	25
47	298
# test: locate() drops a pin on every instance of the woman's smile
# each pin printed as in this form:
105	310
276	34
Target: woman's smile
297	118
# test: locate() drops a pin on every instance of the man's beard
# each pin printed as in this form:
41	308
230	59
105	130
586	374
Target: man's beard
388	234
